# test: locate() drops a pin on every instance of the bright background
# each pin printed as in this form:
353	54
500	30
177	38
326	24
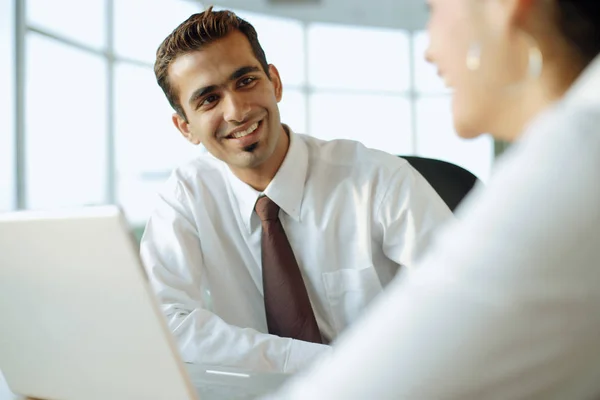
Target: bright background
84	122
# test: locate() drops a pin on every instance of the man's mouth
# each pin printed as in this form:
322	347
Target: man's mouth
249	131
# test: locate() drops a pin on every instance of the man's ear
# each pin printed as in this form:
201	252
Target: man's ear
182	126
276	80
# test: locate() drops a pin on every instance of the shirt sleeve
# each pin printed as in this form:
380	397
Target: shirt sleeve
171	252
505	304
410	213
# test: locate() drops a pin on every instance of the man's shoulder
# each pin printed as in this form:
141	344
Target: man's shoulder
196	173
352	154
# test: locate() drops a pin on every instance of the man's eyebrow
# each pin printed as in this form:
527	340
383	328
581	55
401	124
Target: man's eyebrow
198	93
243	71
238	73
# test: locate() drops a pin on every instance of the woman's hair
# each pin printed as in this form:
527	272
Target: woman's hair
579	22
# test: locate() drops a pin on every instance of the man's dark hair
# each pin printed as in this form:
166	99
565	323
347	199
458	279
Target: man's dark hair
198	31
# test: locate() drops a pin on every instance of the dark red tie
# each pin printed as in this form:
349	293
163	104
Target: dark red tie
289	313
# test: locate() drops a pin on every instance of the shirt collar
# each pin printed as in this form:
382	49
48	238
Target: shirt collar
286	189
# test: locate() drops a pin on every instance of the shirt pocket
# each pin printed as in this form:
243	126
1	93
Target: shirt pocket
348	292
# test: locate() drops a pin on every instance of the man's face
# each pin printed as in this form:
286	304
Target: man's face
229	101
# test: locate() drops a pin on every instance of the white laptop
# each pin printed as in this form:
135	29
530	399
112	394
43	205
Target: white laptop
78	319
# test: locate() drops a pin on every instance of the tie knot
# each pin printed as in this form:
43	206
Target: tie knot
266	209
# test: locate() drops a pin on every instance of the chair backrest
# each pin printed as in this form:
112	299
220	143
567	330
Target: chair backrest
450	181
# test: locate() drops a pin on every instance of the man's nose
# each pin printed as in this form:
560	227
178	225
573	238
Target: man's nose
237	109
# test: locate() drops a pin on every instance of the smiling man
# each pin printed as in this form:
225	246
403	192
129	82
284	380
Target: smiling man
263	250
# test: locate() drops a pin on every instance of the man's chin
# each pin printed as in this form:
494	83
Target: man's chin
248	159
251	148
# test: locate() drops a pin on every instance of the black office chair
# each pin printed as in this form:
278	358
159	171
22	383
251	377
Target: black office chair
450	181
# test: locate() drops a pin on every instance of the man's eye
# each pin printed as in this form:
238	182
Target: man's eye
210	99
247	81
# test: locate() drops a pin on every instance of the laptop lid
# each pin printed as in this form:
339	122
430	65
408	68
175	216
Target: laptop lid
78	318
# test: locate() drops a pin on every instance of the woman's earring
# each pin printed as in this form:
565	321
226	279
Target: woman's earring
474	57
535	61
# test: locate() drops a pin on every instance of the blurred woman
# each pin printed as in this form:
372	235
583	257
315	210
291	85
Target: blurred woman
506	304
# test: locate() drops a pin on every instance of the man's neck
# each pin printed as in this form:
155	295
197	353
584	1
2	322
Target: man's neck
260	177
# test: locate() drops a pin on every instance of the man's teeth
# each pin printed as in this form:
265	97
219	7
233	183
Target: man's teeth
248	131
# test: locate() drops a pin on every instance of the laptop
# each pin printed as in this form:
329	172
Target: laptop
80	321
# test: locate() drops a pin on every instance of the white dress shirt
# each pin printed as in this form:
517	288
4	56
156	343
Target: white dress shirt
506	303
352	215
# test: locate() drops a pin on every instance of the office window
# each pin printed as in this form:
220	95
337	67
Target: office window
148	146
379	121
436	138
81	21
293	110
7	107
282	39
357	58
66	151
142	25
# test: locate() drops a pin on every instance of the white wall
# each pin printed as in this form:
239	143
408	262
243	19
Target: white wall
7	106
